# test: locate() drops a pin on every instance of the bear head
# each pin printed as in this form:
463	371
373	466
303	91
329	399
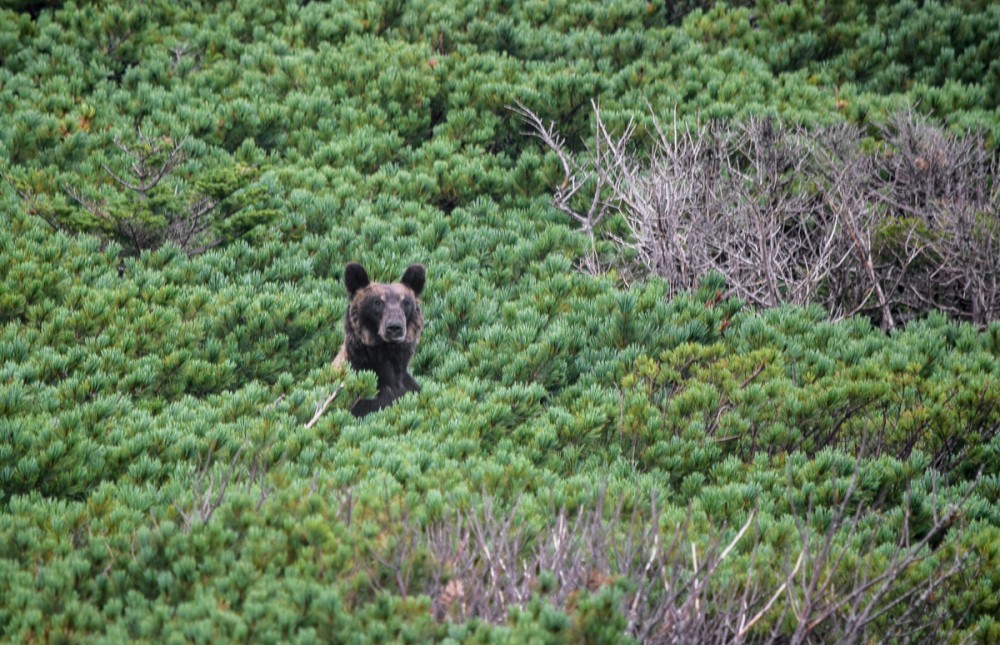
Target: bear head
384	315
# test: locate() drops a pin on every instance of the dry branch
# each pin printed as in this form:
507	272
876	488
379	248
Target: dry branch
795	215
323	406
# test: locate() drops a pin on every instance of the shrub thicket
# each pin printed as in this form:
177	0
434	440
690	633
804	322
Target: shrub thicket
577	446
894	228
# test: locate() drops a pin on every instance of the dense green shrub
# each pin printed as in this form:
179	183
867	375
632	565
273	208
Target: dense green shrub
166	473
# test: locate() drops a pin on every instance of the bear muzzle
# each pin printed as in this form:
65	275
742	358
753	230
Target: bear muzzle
393	330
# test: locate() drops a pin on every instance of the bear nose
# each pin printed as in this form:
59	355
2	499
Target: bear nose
394	331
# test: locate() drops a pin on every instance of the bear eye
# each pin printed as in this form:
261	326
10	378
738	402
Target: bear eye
408	306
377	306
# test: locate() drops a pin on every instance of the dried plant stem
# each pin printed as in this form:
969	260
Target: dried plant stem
323	406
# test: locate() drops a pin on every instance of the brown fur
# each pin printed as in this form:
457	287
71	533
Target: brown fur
381	331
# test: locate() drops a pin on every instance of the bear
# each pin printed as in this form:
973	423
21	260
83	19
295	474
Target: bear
381	330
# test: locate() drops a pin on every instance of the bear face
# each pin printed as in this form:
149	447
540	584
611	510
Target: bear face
381	331
385	313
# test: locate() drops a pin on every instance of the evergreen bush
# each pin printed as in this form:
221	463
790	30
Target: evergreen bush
174	464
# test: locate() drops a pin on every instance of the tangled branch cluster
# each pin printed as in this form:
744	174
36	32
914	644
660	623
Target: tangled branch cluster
891	228
835	585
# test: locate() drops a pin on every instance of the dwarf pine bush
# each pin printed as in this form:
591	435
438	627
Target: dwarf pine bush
590	456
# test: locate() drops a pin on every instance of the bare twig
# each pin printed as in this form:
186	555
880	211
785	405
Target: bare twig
323	406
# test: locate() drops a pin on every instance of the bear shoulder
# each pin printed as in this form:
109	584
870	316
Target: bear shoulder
340	360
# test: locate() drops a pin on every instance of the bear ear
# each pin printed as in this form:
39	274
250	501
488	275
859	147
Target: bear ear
414	278
355	277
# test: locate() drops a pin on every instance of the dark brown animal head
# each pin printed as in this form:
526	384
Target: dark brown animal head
385	314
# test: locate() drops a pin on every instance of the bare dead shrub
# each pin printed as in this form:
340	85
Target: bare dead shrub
849	573
942	194
792	215
837	581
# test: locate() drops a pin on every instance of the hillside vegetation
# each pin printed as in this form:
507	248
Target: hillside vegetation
598	452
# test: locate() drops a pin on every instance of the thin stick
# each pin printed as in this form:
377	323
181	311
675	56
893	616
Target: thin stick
736	539
322	408
760	614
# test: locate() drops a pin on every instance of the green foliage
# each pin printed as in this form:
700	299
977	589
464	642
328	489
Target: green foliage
157	476
883	47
